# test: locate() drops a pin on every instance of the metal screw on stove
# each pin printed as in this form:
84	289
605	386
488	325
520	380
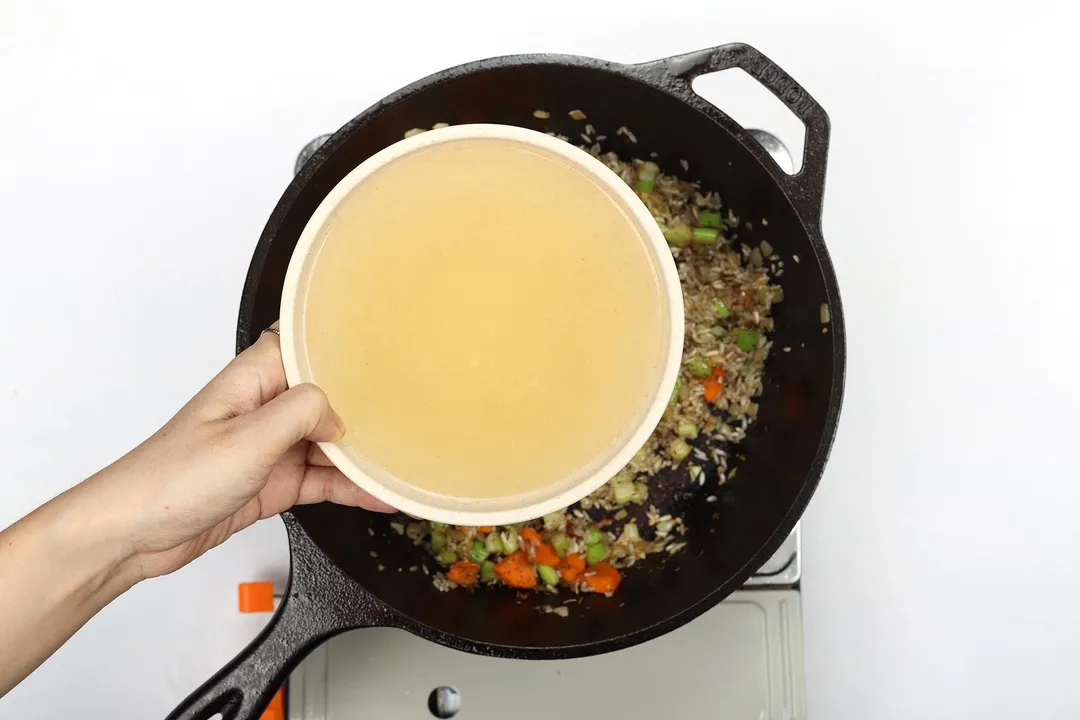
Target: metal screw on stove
779	152
308	151
444	702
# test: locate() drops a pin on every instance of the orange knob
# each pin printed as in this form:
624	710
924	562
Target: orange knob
256	597
276	709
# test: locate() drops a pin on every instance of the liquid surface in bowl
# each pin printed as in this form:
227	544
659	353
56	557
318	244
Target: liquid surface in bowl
485	318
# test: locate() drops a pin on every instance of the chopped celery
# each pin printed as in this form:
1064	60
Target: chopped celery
623	489
487	571
748	340
438	541
704	236
687	430
675	393
679	450
478	552
561	543
593	536
447	558
699	367
709	219
679	234
548	574
596	553
509	540
721	309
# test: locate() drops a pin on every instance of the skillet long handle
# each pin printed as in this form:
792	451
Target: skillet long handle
243	688
321	602
807	187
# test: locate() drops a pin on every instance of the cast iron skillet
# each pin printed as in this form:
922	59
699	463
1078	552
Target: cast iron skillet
336	584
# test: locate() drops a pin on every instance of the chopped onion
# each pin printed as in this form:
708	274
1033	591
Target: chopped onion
554	521
623	489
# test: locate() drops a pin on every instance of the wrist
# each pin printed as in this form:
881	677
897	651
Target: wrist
91	529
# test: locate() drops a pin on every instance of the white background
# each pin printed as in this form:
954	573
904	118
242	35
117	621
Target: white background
142	146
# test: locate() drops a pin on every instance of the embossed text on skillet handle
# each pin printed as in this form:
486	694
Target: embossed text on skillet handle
806	188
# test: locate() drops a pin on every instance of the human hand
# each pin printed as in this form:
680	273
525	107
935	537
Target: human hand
243	449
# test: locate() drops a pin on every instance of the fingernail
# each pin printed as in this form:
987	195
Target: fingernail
339	427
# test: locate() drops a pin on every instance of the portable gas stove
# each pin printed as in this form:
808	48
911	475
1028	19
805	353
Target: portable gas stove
741	660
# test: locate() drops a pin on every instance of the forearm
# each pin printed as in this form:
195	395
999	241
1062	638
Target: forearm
58	567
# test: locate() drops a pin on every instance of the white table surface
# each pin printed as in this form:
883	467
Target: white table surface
142	146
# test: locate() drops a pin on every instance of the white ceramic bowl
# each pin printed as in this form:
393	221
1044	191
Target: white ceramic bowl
497	511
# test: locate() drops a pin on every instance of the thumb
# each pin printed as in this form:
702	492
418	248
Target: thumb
299	413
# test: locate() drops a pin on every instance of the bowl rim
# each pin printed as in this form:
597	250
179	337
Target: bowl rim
429	505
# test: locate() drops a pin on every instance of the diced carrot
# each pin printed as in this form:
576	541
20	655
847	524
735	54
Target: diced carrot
516	571
713	388
484	529
601	578
745	300
546	555
572	566
464	573
529	536
538	551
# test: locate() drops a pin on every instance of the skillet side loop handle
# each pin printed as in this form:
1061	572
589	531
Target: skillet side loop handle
311	611
808	185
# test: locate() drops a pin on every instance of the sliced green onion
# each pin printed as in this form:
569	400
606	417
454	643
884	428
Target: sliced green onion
492	543
509	540
748	340
478	552
593	536
548	574
447	558
699	367
679	450
687	430
721	309
487	571
704	236
709	219
623	489
678	234
674	396
438	541
644	185
561	543
596	553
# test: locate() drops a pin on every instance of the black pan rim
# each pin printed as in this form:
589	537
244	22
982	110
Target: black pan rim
642	73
